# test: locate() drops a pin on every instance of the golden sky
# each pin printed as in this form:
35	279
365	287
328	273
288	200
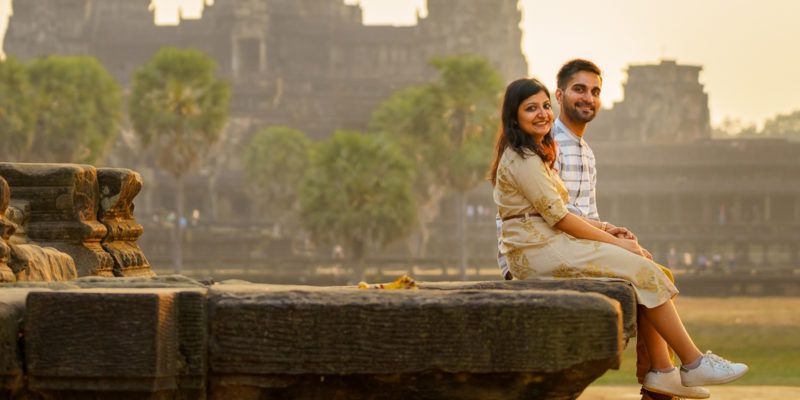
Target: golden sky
746	47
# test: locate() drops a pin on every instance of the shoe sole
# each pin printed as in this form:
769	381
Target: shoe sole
670	393
721	381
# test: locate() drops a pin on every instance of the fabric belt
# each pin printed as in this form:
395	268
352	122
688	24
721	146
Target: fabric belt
526	215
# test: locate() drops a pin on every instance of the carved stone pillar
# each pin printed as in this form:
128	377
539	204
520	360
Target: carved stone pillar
63	201
118	187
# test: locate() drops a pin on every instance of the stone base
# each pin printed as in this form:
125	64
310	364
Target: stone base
432	385
42	264
94	338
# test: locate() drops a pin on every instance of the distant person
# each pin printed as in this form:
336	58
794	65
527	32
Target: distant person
580	83
540	237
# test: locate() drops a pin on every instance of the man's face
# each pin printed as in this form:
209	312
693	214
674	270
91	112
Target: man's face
580	101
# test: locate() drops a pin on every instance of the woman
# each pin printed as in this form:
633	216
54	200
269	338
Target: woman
540	238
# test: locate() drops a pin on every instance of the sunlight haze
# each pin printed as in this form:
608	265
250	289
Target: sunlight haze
745	47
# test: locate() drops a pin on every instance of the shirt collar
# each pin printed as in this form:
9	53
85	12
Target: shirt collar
561	128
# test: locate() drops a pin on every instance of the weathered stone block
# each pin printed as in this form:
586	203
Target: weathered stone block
118	187
63	201
618	290
34	263
295	342
6	229
28	261
108	340
12	311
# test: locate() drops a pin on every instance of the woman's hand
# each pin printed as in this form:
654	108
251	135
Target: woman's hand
620	232
631	245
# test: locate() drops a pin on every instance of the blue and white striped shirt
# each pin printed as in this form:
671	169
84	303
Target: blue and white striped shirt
575	164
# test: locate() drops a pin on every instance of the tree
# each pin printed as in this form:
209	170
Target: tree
275	161
733	127
179	107
57	109
357	193
16	111
783	125
407	118
77	105
449	126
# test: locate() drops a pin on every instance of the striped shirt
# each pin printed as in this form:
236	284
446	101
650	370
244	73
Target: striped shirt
575	164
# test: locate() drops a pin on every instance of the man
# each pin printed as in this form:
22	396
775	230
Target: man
578	94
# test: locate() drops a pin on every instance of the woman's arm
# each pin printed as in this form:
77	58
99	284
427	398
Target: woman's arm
614	230
578	227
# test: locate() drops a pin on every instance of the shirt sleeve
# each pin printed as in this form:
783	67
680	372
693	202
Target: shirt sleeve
536	185
575	210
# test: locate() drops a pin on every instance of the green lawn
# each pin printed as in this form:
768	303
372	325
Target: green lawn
761	332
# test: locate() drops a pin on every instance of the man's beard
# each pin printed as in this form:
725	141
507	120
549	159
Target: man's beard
577	116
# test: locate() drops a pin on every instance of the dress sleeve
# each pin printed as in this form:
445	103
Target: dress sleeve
536	185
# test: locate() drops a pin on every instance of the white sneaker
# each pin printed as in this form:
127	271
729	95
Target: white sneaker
713	370
669	383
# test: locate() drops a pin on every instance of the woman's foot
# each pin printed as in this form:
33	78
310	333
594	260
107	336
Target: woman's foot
712	370
669	383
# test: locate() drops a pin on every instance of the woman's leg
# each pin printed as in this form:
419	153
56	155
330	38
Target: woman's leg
657	349
667	323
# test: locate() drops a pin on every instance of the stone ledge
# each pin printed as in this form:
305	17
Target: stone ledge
171	337
618	290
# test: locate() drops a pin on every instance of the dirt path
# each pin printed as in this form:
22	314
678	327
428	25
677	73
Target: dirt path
603	392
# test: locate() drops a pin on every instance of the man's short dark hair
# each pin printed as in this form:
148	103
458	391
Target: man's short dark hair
572	67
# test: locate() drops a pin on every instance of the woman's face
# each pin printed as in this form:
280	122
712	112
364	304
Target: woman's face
535	115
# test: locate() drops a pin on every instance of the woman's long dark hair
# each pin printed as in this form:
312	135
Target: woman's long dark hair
511	135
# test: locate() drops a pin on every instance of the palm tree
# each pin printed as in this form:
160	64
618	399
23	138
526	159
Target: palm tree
179	107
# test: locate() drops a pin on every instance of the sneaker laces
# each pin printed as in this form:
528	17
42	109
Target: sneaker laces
718	362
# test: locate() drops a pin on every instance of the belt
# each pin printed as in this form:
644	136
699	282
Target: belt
526	215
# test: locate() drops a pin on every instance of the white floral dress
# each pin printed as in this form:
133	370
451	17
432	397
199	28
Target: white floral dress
535	248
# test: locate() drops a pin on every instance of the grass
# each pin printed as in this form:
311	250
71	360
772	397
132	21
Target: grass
761	332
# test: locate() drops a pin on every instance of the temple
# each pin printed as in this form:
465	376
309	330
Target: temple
309	64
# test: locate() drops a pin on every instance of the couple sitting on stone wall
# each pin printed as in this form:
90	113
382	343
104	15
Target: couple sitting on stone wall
544	181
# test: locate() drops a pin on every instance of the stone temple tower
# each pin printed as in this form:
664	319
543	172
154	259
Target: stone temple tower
44	27
486	27
664	103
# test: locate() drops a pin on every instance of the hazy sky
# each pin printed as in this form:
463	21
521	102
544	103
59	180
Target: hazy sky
746	47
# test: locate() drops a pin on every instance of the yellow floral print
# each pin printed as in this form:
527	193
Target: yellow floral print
529	226
504	183
546	207
647	280
518	263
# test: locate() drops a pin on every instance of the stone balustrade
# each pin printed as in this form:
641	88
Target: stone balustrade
59	224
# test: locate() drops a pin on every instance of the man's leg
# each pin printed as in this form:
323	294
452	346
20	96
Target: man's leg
643	359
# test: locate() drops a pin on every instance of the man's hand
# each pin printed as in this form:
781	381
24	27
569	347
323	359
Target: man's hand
647	254
620	232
